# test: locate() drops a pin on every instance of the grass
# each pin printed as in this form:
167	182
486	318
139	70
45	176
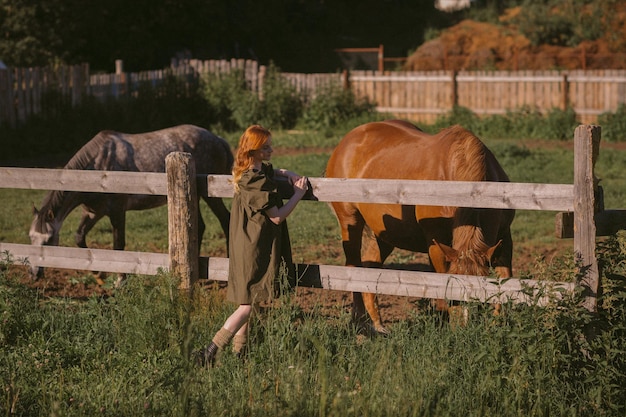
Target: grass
128	355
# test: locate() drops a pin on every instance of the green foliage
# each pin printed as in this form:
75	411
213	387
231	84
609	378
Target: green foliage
281	106
333	105
522	123
301	37
554	22
237	106
488	10
228	97
614	125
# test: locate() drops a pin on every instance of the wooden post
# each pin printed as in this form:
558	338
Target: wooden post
564	92
262	72
345	80
381	59
182	214
454	94
587	146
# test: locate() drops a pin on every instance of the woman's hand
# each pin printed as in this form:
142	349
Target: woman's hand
300	186
278	215
292	177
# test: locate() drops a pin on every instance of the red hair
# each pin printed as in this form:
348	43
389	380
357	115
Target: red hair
252	139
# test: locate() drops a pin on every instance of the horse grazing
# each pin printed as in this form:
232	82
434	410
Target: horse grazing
143	152
458	240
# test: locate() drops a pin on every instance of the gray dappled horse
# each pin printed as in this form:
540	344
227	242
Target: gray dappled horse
143	152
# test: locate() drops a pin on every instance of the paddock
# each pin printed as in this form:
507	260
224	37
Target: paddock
579	208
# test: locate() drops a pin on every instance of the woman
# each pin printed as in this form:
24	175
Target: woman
258	238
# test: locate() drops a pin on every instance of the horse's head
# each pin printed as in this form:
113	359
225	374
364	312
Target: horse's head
44	231
469	261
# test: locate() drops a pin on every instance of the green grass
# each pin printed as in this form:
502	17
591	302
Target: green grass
128	355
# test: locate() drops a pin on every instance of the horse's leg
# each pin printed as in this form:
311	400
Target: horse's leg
375	252
351	224
221	212
118	223
87	222
439	264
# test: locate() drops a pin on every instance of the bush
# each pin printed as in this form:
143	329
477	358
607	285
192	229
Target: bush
237	106
523	123
614	125
333	105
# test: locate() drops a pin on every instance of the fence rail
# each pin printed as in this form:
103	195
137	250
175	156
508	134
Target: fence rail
420	96
579	198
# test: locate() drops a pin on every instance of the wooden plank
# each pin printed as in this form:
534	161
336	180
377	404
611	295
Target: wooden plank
430	284
143	263
456	193
342	278
154	183
555	197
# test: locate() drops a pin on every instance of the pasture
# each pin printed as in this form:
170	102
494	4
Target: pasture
124	352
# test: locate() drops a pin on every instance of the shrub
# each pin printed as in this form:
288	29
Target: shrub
333	105
614	125
557	125
523	123
229	98
237	106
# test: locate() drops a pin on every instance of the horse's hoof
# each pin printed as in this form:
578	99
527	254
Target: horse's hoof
380	331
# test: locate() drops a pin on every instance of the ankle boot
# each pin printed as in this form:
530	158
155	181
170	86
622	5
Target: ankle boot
206	357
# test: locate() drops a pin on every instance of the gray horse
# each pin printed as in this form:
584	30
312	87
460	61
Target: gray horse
143	152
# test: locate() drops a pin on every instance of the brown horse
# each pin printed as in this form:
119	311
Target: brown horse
458	240
141	152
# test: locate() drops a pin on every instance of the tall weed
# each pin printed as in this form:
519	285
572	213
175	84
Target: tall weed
129	355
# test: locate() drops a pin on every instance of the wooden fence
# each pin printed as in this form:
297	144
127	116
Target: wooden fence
182	188
416	96
424	96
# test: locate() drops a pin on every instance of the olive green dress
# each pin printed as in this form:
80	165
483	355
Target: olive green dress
259	249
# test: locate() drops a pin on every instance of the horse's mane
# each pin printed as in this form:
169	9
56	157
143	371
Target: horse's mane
81	160
469	162
467	234
88	152
468	156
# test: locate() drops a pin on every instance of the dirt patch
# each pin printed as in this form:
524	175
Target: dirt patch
471	45
81	285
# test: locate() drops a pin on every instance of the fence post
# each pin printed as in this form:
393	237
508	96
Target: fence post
262	72
454	94
564	92
182	214
586	149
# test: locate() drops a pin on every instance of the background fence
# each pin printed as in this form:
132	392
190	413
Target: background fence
579	199
417	96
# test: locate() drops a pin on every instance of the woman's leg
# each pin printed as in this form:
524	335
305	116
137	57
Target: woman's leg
233	325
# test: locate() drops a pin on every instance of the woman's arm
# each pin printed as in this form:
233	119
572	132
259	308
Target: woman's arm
278	215
292	177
